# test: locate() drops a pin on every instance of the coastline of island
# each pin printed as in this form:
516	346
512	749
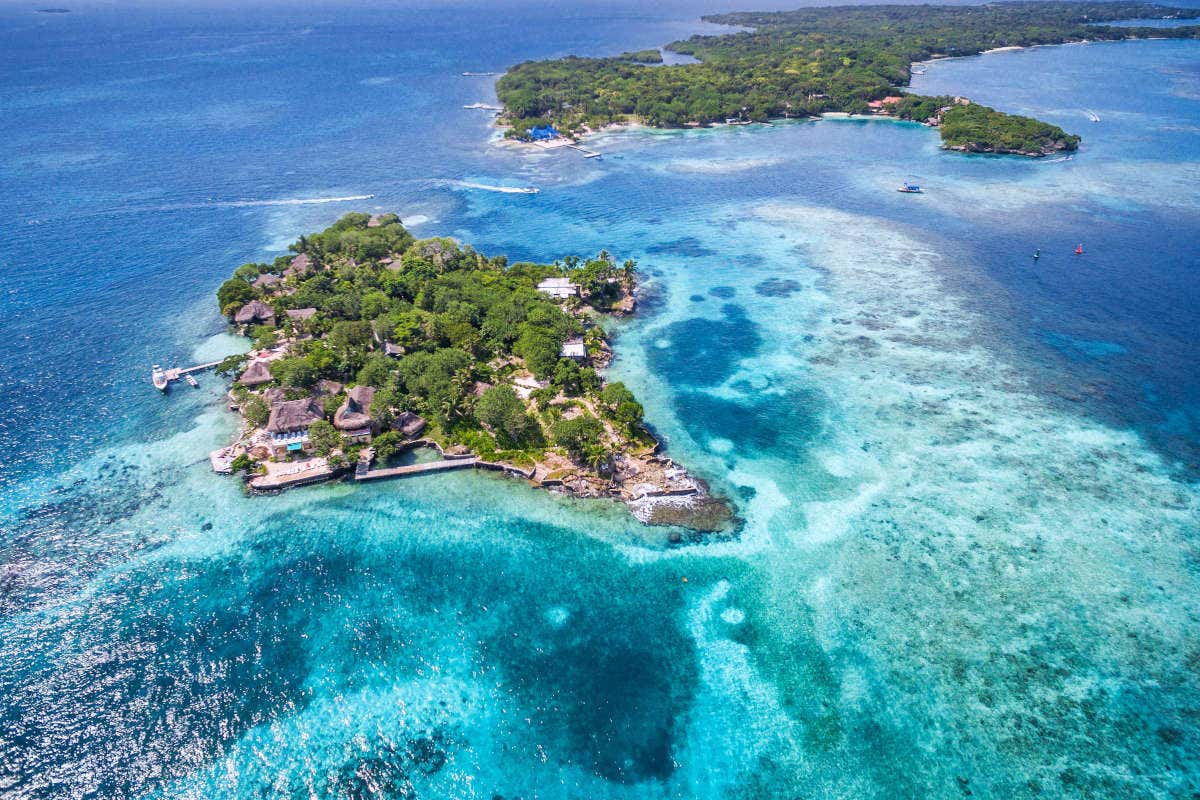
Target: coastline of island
370	345
855	60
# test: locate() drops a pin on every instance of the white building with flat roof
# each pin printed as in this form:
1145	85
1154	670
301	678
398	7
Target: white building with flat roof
561	288
574	348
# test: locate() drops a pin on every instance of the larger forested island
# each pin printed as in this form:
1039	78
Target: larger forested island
371	346
811	61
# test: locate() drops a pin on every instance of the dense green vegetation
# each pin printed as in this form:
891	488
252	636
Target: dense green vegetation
642	57
460	327
815	60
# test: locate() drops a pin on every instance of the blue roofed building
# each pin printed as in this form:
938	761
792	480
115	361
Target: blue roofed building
543	133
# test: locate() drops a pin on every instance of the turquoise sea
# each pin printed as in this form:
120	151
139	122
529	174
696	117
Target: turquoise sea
970	482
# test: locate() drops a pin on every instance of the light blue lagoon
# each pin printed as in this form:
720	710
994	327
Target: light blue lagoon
968	480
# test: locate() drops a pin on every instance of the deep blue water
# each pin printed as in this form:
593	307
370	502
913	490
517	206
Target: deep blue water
968	479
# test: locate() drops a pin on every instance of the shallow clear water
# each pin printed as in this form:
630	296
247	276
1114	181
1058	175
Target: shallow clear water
968	480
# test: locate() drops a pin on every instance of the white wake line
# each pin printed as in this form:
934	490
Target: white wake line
296	201
292	201
489	188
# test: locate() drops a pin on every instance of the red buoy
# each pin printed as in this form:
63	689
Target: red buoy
1079	250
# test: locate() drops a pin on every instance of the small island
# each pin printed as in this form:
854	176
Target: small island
371	347
804	63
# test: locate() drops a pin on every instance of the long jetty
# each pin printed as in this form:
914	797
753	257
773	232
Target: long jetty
175	373
414	469
564	143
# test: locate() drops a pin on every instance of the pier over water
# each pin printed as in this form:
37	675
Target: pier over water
163	378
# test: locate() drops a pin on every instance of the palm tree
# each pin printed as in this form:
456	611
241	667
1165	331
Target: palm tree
627	270
599	459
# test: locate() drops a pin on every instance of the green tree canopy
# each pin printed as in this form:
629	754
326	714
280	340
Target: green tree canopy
324	437
578	435
501	410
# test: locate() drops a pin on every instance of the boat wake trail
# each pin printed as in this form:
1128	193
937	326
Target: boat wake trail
485	187
296	201
169	207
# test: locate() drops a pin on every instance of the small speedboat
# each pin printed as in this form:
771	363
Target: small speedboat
909	188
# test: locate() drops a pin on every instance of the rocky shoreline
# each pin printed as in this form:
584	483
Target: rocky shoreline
656	489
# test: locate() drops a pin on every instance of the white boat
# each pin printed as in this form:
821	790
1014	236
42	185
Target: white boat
192	381
158	378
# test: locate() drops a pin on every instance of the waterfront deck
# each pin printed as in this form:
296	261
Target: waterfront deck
557	143
414	469
286	475
175	373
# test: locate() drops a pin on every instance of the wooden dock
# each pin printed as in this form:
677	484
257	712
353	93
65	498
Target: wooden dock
586	153
556	144
175	373
361	474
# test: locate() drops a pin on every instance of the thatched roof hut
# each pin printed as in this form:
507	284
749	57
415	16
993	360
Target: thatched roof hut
266	281
328	388
355	412
300	265
256	374
408	424
294	415
276	394
255	311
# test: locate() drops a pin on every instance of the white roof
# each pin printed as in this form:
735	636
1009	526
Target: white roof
574	349
556	283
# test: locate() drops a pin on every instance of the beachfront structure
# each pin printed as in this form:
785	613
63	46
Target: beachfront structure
288	426
300	317
353	417
328	388
543	133
256	312
574	349
299	266
408	424
300	314
561	288
256	374
266	281
885	105
276	394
